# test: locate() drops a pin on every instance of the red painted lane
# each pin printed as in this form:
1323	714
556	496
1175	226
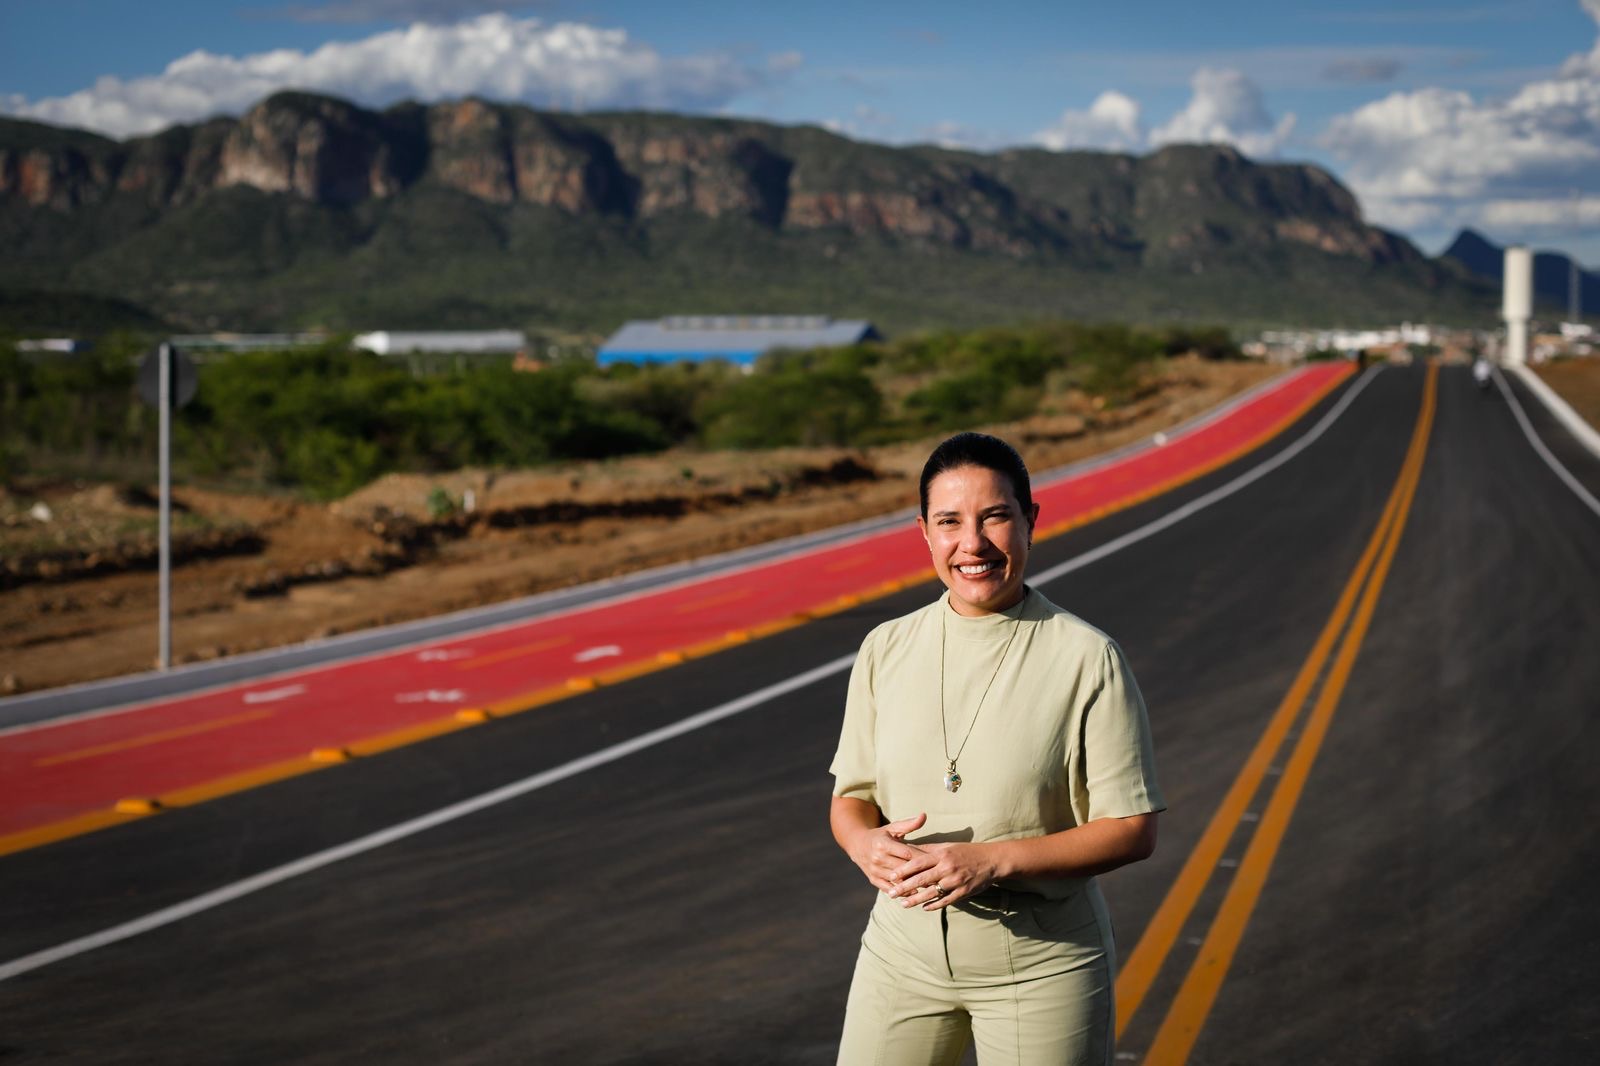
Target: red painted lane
63	770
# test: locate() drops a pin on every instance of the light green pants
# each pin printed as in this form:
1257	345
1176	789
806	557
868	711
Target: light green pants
1029	980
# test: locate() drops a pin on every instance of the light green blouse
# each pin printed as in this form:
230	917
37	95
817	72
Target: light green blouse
1062	736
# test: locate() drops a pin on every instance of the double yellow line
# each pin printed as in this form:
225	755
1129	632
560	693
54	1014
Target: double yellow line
1189	1009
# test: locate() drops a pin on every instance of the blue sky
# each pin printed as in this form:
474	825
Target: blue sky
1437	114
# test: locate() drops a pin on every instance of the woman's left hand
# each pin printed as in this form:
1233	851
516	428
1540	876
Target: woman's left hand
942	874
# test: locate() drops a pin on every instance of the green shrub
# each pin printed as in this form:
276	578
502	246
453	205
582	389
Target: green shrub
324	421
791	406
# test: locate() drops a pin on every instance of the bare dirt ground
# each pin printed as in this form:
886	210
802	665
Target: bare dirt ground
1578	382
78	588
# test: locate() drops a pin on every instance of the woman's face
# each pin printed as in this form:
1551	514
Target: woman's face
979	537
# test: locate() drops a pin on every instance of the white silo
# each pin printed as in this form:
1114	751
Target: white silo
1518	307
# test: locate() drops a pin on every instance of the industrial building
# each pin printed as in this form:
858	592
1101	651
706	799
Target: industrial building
739	339
482	341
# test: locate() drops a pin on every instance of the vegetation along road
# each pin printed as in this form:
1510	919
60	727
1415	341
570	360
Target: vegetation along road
1370	682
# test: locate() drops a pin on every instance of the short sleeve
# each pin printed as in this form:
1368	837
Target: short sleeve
1118	754
855	762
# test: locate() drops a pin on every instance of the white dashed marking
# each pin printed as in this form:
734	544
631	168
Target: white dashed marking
433	695
273	695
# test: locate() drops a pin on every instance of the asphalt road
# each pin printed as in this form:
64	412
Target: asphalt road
685	904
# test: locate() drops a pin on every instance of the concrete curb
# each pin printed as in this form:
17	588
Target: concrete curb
1563	412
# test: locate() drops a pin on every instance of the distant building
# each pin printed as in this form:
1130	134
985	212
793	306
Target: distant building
191	343
486	341
61	345
740	339
1278	345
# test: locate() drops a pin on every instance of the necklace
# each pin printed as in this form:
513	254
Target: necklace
952	779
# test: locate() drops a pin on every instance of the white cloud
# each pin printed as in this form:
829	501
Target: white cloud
1112	122
1588	64
498	56
1443	158
1226	108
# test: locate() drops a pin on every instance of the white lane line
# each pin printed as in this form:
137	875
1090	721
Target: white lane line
1221	492
443	655
230	892
432	695
1538	445
273	695
589	655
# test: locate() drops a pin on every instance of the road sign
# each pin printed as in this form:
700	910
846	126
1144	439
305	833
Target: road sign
184	377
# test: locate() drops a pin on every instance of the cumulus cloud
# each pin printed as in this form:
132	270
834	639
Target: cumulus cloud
1587	64
494	55
1440	158
1112	122
1226	108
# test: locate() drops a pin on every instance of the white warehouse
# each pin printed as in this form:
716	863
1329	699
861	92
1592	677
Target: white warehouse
385	342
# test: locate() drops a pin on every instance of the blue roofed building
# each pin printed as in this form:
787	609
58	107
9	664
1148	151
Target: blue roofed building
740	339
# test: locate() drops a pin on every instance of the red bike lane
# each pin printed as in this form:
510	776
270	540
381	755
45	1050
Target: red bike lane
72	776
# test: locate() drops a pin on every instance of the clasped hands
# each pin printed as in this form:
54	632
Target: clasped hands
930	875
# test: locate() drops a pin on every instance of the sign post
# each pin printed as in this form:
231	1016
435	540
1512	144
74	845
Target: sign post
166	380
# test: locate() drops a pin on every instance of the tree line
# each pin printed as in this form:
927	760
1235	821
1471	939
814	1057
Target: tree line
325	421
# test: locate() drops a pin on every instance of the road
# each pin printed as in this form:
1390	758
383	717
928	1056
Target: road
1403	876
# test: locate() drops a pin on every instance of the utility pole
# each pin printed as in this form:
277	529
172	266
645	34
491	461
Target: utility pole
166	381
164	610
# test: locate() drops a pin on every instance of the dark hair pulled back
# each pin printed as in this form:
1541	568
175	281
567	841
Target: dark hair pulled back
982	450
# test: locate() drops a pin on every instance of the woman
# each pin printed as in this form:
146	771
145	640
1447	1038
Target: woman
995	756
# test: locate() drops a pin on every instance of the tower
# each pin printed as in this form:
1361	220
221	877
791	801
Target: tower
1518	307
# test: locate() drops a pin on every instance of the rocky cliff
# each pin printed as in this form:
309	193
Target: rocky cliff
338	178
335	153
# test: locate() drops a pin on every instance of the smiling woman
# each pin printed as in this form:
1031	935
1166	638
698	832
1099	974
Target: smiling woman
988	927
981	526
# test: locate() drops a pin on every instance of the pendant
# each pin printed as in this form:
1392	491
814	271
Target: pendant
952	780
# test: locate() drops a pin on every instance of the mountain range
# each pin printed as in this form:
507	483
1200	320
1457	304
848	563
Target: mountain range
1552	272
313	211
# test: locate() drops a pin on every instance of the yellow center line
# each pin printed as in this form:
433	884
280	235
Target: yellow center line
1167	923
714	601
1190	1008
152	738
512	653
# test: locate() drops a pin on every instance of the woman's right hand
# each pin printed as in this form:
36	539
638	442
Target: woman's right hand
878	850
